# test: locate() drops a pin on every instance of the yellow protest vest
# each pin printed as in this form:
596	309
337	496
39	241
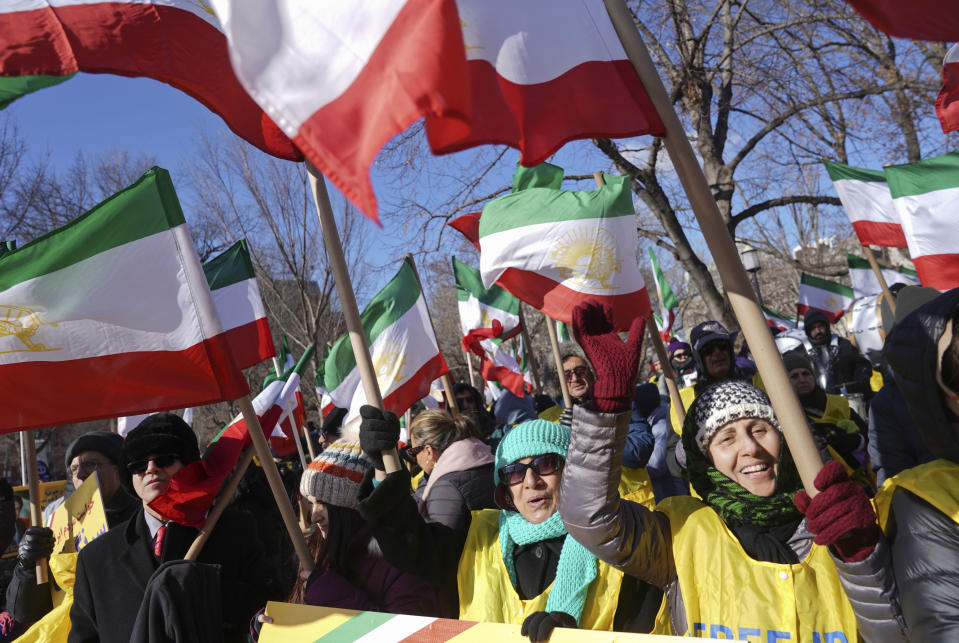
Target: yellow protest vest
54	627
729	595
635	485
837	408
487	595
936	482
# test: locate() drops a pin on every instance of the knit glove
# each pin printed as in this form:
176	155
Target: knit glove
379	431
37	543
615	363
841	515
539	625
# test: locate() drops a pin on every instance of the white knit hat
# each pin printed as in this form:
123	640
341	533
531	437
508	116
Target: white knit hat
726	401
334	477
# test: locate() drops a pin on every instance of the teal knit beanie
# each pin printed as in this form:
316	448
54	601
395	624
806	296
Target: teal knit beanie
532	438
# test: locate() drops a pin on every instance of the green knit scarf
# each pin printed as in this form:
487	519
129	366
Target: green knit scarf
732	502
576	568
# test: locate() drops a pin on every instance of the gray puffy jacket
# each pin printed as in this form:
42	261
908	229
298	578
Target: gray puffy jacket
630	537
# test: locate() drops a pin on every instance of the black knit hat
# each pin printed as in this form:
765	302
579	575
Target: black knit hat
109	444
797	358
814	316
161	434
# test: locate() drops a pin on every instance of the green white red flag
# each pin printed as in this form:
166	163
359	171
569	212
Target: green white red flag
406	356
178	42
290	401
111	315
926	196
479	306
490	72
236	296
554	249
866	199
496	364
778	321
667	300
822	294
864	281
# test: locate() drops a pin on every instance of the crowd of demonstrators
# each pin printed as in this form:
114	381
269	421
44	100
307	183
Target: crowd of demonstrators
652	407
775	565
840	367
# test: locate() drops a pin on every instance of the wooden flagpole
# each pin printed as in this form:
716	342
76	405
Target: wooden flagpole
731	271
558	360
445	377
299	447
529	349
674	398
351	314
309	440
469	364
871	258
33	486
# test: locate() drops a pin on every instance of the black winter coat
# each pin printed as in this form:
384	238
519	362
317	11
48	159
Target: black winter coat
113	570
456	494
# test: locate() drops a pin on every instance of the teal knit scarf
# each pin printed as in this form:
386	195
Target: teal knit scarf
574	572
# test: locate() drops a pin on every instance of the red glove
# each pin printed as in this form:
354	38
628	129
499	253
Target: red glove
841	515
615	363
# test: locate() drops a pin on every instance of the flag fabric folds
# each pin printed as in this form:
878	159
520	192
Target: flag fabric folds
667	300
822	294
479	306
916	20
926	196
778	321
554	249
496	364
865	197
178	42
531	75
236	296
406	356
947	103
102	318
865	283
290	400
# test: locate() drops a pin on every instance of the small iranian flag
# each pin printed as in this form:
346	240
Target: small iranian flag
236	296
405	353
554	249
827	296
479	306
496	364
290	400
865	197
284	359
926	195
667	300
865	283
562	332
111	315
778	320
947	103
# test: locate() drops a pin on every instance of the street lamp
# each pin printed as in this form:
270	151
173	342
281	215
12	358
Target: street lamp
750	258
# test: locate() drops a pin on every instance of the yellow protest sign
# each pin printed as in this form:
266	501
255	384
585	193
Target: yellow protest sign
49	491
306	624
80	519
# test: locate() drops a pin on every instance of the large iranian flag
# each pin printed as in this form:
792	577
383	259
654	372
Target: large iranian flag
111	315
554	249
530	74
865	197
864	281
178	42
926	195
827	296
236	296
406	356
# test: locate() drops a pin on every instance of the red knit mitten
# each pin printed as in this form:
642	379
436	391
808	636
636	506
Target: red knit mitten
615	362
841	515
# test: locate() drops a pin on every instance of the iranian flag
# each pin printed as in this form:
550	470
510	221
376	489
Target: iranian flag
405	353
667	300
947	103
554	249
864	281
290	400
778	321
479	306
532	75
111	315
496	364
562	332
926	195
236	296
917	20
178	42
822	294
865	197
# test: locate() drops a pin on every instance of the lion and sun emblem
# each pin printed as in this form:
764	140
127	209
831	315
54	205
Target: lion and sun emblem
587	258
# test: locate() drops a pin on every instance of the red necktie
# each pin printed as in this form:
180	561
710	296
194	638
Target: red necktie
158	541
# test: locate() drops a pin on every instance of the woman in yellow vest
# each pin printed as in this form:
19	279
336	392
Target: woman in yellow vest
516	564
742	562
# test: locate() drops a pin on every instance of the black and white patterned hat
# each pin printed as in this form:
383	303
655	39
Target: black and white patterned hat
725	402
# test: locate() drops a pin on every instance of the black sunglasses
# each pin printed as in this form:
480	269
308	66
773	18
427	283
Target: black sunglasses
410	452
542	465
138	467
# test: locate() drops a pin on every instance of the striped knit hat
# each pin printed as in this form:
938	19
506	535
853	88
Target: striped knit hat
334	477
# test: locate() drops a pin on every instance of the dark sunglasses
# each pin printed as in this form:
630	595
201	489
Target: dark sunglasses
411	452
139	467
713	346
542	465
579	371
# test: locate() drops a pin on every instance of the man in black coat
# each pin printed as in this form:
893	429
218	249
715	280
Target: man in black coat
113	571
837	361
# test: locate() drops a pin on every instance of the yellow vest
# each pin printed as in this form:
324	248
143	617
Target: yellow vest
54	627
936	482
635	485
837	408
487	595
729	595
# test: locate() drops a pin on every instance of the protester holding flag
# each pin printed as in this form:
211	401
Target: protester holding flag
762	575
839	364
512	565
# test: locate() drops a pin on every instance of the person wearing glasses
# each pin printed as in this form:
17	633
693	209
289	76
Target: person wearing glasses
515	564
116	570
96	451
